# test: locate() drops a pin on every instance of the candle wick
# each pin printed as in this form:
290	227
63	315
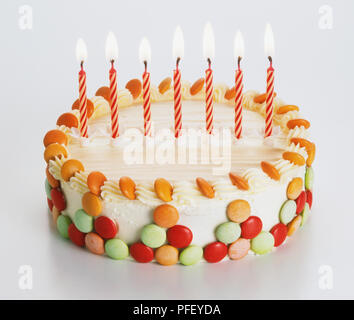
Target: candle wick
239	62
112	63
270	61
177	62
82	65
209	62
145	64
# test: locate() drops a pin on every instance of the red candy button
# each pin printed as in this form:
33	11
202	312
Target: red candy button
215	252
251	227
141	253
76	236
279	232
106	227
58	199
50	204
300	202
309	198
179	236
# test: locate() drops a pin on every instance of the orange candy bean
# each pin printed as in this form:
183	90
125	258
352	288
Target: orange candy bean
104	92
298	123
94	243
54	183
95	181
294	158
163	189
166	255
55	136
54	150
135	87
238	210
197	86
205	188
70	167
294	188
287	108
166	216
89	107
238	181
127	187
270	170
91	204
294	225
164	85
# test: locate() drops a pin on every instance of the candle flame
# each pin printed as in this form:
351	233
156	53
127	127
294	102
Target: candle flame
208	42
239	47
144	51
269	41
81	50
178	44
111	47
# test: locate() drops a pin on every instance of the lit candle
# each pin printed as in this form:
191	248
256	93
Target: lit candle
269	51
178	52
111	56
239	52
81	55
209	53
145	57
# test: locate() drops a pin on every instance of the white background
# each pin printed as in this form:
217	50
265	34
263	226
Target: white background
38	82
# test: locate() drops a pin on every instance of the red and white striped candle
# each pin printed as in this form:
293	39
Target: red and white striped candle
269	51
178	53
145	57
269	101
177	101
209	102
114	101
112	55
209	53
81	54
239	52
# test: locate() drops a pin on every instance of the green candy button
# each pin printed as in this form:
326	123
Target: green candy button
191	255
309	176
83	221
48	188
116	249
63	223
263	243
153	236
228	232
287	211
305	214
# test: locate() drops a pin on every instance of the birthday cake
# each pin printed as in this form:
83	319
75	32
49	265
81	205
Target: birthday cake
196	197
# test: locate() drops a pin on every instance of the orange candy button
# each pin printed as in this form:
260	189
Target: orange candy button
230	93
238	181
89	107
95	181
262	97
302	142
91	204
270	170
69	168
311	155
135	87
69	120
163	189
294	188
164	85
197	86
298	123
205	188
287	108
239	248
294	225
294	158
94	243
54	150
127	187
55	136
238	210
166	216
166	255
54	183
104	92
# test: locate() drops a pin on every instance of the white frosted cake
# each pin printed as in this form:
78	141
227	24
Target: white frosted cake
166	199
